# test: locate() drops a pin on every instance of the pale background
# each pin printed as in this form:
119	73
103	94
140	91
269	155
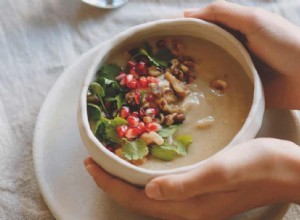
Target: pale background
38	40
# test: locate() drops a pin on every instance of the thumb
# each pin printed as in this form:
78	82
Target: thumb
204	179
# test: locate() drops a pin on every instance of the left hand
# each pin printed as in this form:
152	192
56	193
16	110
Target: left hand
260	172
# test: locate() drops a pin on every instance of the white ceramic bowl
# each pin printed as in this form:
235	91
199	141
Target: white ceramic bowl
182	26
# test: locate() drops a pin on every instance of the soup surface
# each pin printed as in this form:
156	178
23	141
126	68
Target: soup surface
212	118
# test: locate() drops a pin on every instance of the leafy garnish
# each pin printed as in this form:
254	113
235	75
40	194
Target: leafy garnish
169	151
94	112
168	131
164	152
163	57
145	53
100	129
111	127
182	142
120	100
109	71
134	150
97	89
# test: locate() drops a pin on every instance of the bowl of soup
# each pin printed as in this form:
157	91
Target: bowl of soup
162	97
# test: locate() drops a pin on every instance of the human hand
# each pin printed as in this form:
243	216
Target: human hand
253	174
273	41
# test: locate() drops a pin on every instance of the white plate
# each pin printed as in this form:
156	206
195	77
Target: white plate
58	152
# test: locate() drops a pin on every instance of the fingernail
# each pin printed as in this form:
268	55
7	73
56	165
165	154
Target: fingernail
153	191
190	11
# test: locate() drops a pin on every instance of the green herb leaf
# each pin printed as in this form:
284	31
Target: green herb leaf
134	150
182	142
94	111
168	131
120	99
97	89
163	57
110	130
164	152
109	71
101	128
152	60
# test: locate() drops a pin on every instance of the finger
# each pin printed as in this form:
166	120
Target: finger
241	18
209	177
88	161
131	197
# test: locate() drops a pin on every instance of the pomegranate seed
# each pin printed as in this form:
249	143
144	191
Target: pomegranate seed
152	112
121	130
141	68
129	77
133	84
133	72
152	79
132	133
133	121
124	112
123	82
121	76
147	119
141	126
153	126
131	64
142	112
135	114
137	98
143	82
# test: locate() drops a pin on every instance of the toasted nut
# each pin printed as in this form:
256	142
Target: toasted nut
147	119
170	119
174	63
160	118
184	68
152	138
219	85
179	118
178	48
169	95
154	71
205	122
179	88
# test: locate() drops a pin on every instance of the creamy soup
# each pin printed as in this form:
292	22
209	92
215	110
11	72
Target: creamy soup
212	118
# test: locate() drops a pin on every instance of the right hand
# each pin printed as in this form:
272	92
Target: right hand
274	42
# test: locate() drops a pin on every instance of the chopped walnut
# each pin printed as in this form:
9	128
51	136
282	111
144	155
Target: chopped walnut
152	138
219	85
179	88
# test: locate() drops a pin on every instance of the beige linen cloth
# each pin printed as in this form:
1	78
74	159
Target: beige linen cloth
38	40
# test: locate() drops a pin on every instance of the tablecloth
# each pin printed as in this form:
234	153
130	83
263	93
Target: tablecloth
38	40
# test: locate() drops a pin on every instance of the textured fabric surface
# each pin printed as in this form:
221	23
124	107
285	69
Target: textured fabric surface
38	40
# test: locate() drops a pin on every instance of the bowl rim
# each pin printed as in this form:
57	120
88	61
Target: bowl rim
117	40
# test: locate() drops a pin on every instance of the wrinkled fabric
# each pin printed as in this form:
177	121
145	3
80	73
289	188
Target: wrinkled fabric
38	40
